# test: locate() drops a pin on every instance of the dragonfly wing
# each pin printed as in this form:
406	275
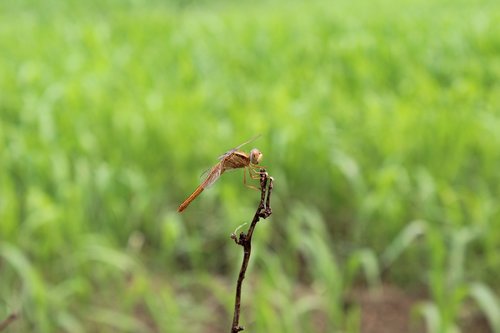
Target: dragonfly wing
213	176
226	154
204	174
229	152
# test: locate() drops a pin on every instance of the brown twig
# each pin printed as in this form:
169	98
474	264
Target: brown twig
7	321
245	240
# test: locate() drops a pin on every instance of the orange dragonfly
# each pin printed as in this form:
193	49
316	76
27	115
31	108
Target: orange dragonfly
233	159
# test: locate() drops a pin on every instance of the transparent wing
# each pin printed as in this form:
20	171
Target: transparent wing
204	174
229	152
212	176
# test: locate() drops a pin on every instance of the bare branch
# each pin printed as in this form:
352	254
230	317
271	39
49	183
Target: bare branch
245	240
7	321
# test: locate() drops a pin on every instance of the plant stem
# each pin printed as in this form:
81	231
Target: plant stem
245	240
7	321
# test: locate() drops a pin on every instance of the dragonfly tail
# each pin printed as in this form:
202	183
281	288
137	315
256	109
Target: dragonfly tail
193	196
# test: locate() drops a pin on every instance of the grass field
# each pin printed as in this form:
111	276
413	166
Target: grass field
380	123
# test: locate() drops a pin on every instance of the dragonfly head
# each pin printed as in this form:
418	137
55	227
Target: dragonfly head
255	156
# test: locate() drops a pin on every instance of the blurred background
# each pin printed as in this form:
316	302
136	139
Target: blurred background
380	122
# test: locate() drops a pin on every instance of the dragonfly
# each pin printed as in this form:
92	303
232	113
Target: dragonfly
232	159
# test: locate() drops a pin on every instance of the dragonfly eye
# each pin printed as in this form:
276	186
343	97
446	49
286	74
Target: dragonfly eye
255	156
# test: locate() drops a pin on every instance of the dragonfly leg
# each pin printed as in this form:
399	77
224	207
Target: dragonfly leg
255	172
251	176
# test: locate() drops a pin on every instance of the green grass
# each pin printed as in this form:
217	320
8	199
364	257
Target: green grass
379	123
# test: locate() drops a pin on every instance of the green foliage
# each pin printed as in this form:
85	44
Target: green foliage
379	122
